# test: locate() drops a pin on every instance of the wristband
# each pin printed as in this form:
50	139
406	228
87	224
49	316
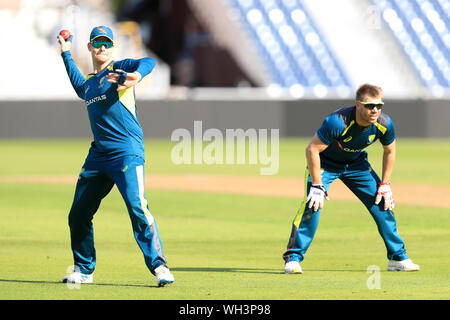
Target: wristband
122	77
387	183
321	187
140	76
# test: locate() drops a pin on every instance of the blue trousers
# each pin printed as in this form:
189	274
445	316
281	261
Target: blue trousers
95	181
364	184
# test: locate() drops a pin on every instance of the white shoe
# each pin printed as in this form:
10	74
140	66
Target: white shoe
163	276
404	265
78	277
292	267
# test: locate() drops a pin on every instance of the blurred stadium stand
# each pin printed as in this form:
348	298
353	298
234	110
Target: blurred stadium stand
237	49
291	47
422	27
364	46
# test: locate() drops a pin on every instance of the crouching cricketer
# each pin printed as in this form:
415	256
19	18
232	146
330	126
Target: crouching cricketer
116	156
336	152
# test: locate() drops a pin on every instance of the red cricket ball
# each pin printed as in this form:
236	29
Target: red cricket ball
65	34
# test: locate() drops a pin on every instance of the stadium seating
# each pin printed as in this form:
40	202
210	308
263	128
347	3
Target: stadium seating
292	48
422	27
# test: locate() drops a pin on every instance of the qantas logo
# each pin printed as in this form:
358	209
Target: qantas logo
347	149
98	98
101	30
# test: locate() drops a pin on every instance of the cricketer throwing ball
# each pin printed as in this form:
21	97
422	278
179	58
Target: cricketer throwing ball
116	156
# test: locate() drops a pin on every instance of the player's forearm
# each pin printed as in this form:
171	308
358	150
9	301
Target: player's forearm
75	76
145	66
313	162
388	164
142	66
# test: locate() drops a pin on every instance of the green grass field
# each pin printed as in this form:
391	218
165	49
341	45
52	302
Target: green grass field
219	246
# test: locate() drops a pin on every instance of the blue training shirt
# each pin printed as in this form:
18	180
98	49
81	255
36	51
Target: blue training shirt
112	113
346	140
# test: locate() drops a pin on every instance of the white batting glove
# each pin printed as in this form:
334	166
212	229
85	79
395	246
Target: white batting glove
384	191
316	195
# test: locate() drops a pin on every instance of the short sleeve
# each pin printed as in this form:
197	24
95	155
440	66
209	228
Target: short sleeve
389	136
331	129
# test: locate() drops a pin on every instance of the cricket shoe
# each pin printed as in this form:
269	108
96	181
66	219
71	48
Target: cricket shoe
163	276
404	265
78	277
292	267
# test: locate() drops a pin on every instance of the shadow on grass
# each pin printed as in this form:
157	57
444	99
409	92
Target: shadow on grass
87	284
238	270
202	269
254	270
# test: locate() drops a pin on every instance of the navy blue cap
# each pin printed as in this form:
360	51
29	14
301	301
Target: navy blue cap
101	31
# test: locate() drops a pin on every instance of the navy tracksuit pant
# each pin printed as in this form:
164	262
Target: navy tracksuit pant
95	181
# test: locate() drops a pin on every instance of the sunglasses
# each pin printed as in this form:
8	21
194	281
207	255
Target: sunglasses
98	44
371	105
